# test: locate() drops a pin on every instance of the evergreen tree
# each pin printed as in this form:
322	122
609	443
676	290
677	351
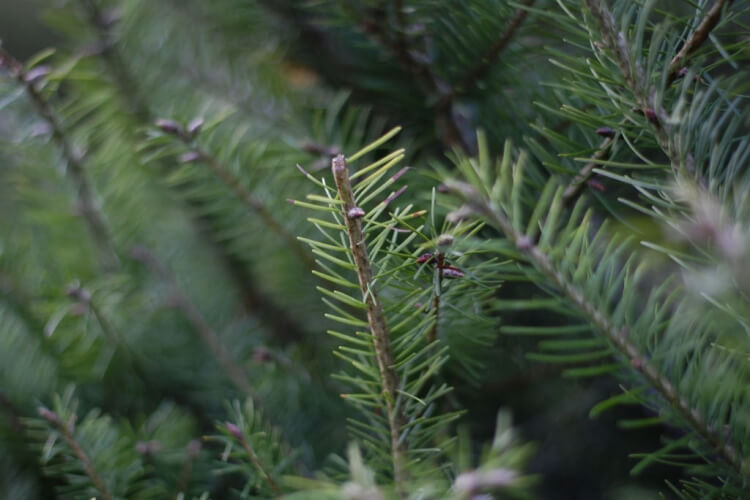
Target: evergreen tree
324	249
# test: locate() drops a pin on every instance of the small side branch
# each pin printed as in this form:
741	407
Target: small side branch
239	436
66	430
699	36
209	337
432	335
375	316
484	65
76	169
583	175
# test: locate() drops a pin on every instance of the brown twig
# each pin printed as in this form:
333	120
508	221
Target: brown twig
66	430
210	338
375	316
432	335
583	175
618	336
699	36
76	169
483	66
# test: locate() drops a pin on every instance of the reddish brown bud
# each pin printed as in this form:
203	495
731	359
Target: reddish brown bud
49	415
651	116
425	257
169	126
606	132
234	430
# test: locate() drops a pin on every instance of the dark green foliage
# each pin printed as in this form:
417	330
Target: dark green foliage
487	194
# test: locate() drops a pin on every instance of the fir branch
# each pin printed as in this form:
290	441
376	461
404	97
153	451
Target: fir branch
252	202
76	168
617	336
210	338
699	36
485	63
66	430
239	436
375	315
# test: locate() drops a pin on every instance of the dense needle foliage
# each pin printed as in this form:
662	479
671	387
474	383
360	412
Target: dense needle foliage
326	248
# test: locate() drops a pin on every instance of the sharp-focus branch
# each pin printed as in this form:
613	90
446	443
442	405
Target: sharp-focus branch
699	36
375	316
76	169
617	336
221	354
66	430
486	62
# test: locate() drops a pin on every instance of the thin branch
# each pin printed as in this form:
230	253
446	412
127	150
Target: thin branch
699	36
237	433
485	63
617	336
375	316
210	338
66	430
432	335
76	168
583	175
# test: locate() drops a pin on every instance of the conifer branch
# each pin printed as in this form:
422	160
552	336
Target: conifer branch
66	430
375	316
230	180
617	336
485	63
209	337
239	436
699	36
76	169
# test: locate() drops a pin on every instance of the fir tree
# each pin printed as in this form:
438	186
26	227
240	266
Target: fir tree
308	249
